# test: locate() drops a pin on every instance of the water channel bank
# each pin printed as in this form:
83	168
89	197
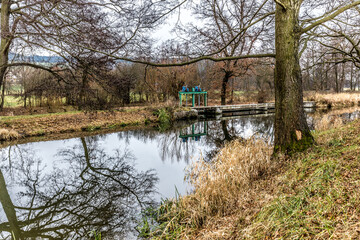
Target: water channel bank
69	124
67	188
245	194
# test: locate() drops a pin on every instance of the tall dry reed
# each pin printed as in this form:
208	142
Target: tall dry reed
225	189
327	122
334	99
219	184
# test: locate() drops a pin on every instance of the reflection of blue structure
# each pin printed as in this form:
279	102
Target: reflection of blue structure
194	132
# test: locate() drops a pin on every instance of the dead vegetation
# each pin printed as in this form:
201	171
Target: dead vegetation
327	122
44	124
225	194
6	135
244	194
334	118
334	100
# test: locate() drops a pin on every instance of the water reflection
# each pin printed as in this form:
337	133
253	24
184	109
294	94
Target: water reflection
194	132
87	189
64	189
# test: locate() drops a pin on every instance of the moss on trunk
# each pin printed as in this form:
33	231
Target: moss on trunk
291	130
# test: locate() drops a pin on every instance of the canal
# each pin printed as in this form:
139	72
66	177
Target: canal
67	188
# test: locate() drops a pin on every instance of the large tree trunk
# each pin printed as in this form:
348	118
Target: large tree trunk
224	84
291	130
5	39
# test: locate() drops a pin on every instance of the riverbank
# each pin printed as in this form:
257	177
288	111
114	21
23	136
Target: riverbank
26	126
311	195
20	123
333	100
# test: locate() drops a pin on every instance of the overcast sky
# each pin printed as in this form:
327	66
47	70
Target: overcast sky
164	32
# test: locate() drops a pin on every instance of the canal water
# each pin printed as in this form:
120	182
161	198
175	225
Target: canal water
65	189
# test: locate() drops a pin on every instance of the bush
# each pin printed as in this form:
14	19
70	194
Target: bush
163	116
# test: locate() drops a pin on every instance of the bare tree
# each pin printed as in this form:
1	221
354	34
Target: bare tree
71	29
239	25
293	18
95	190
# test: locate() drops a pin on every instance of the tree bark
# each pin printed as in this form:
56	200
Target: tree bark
224	87
3	95
5	39
291	130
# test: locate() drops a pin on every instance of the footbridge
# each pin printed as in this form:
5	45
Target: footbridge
243	109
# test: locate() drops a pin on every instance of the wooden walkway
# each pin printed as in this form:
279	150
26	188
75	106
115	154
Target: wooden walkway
248	109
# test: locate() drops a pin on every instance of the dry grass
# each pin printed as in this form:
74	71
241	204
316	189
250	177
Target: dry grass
227	191
218	183
45	124
346	99
332	119
327	122
243	194
6	135
319	195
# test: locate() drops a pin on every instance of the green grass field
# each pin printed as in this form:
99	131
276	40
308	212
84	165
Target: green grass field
11	101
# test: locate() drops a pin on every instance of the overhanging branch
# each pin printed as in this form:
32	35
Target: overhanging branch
266	55
281	4
331	16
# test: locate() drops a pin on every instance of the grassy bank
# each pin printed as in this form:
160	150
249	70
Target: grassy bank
333	100
244	194
74	122
24	123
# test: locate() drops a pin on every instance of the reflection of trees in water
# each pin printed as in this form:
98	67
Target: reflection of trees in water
171	147
88	189
345	115
221	132
169	144
144	135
